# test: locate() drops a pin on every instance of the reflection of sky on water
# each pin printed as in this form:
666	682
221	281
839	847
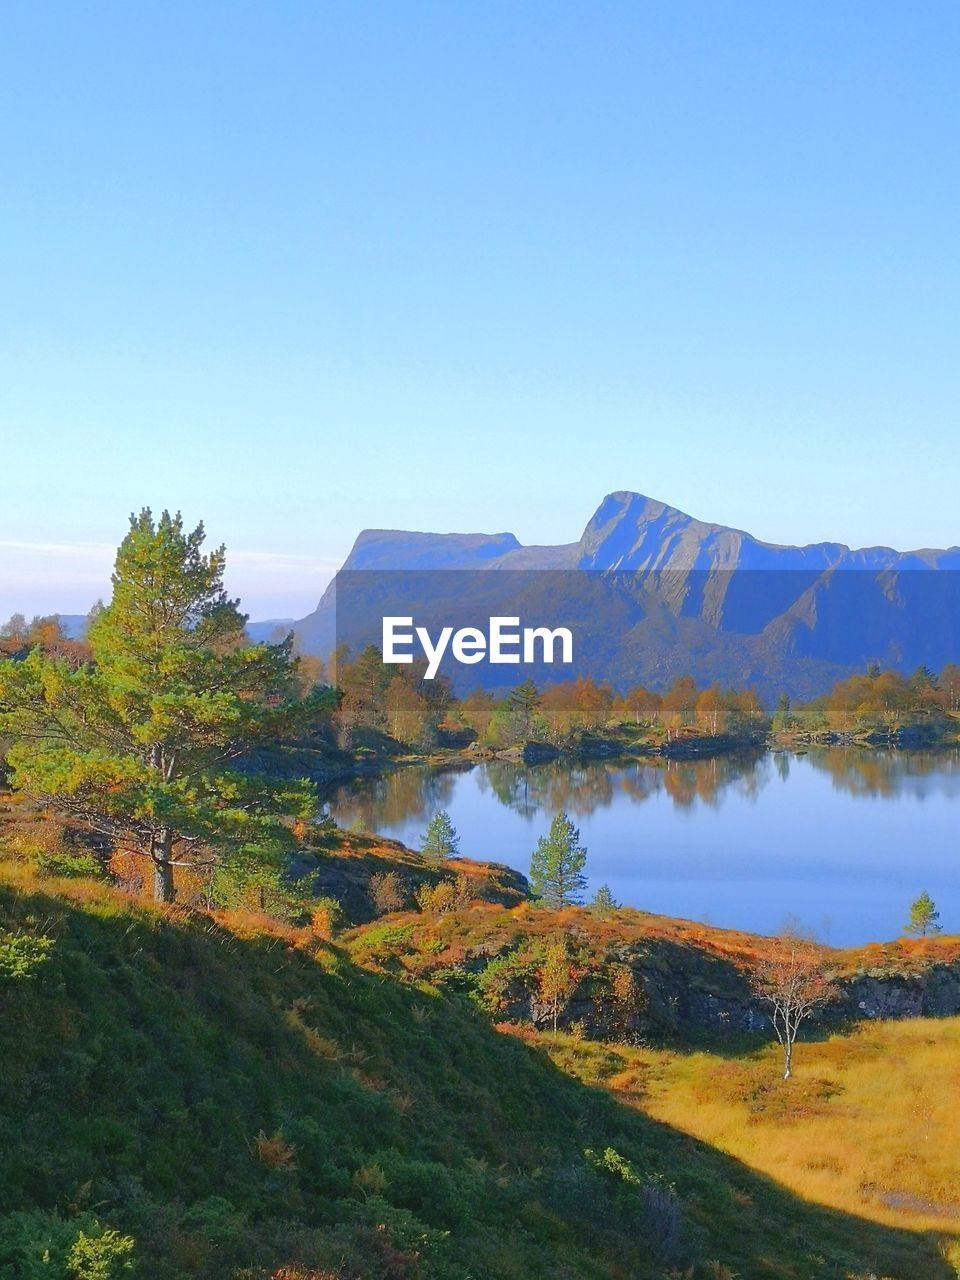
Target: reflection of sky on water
842	838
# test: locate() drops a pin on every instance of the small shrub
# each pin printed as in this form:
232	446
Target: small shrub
274	1151
369	1180
660	1215
36	1245
100	1257
68	864
387	893
32	841
503	972
215	1219
126	870
382	942
22	954
612	1162
950	1249
663	1217
435	899
325	918
438	1196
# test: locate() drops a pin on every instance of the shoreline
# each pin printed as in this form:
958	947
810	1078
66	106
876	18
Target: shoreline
600	749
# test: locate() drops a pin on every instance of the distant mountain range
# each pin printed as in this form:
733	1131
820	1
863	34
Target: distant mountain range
655	593
652	593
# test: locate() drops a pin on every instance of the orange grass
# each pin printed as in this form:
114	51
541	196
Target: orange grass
869	1124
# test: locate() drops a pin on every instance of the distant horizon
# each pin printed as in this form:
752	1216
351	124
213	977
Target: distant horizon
271	586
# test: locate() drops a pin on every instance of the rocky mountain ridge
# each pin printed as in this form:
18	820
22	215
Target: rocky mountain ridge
656	593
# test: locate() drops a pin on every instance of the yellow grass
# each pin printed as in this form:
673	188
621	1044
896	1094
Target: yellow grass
869	1124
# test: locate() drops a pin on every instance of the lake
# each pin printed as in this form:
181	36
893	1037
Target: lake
840	838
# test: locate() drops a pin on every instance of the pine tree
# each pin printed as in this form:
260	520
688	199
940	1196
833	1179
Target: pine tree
141	745
783	717
441	839
604	904
522	704
923	916
556	868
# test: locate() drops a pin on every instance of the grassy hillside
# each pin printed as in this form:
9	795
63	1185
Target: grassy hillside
245	1101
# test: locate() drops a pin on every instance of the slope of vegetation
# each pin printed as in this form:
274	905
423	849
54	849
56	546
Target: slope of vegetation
243	1100
465	940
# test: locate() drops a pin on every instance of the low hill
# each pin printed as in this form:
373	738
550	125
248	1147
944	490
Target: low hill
246	1100
690	981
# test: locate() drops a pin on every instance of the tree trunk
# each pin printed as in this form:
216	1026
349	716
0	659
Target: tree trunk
787	1060
163	888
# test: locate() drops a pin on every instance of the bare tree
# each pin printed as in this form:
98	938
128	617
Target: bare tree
793	978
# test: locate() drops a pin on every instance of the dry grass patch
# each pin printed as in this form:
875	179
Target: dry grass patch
869	1124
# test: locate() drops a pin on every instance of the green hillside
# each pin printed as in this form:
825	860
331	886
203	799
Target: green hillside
244	1101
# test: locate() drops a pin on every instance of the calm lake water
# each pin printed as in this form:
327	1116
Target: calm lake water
840	838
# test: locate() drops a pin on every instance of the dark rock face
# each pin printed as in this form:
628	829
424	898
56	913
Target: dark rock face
934	993
692	996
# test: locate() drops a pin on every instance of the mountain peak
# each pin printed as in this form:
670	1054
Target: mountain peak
632	531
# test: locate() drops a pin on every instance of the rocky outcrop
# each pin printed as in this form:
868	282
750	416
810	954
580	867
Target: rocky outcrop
688	995
930	993
346	875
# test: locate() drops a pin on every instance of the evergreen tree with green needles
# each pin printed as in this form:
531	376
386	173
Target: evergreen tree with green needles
150	744
522	705
783	717
556	868
923	916
603	903
441	839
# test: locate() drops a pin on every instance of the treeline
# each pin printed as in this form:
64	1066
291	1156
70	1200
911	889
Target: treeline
377	700
18	637
879	702
46	632
372	706
568	710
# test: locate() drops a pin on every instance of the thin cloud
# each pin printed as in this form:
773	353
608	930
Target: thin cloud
65	550
284	560
66	577
98	551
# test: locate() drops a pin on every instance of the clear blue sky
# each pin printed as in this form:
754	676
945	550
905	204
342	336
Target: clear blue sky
303	268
